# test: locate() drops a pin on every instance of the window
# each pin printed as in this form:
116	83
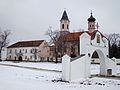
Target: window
25	57
98	38
10	57
31	51
62	26
35	57
90	25
25	50
20	51
67	26
15	50
30	57
10	51
15	58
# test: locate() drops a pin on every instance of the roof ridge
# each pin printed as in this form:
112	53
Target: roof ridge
34	43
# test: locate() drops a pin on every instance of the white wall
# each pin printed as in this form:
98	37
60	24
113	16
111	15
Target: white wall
66	68
44	50
103	41
112	65
78	68
84	41
117	61
23	50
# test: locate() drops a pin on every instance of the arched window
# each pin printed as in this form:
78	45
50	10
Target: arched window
67	26
62	26
90	25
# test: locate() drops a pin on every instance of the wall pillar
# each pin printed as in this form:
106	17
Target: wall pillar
66	68
87	65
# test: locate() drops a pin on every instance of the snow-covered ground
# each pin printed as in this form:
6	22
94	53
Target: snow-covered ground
16	78
40	65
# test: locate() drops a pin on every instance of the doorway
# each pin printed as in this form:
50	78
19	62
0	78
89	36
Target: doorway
20	58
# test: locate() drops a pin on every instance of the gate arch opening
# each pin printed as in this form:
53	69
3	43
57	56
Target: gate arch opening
101	59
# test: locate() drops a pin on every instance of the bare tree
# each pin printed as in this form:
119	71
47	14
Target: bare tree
54	35
3	40
114	38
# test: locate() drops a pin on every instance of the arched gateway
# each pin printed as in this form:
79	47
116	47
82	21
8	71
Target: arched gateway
79	67
102	61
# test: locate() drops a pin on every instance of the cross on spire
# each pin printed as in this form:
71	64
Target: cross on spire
65	9
91	12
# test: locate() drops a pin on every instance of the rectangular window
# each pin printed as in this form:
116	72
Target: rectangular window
25	57
15	50
98	38
20	51
31	50
25	50
10	51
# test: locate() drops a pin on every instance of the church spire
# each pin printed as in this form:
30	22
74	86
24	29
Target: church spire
64	22
65	16
91	18
91	23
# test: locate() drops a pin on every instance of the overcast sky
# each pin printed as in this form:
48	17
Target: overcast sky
29	19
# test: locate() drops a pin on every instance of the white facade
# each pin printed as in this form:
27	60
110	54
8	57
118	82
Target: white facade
34	53
25	52
80	67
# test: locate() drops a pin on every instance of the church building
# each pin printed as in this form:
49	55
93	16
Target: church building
69	41
79	49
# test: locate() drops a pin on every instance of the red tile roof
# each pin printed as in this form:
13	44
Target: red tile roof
75	35
34	43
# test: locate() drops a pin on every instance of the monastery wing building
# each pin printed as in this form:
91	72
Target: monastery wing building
35	50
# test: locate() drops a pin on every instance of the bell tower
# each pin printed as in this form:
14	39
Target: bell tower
64	22
91	23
